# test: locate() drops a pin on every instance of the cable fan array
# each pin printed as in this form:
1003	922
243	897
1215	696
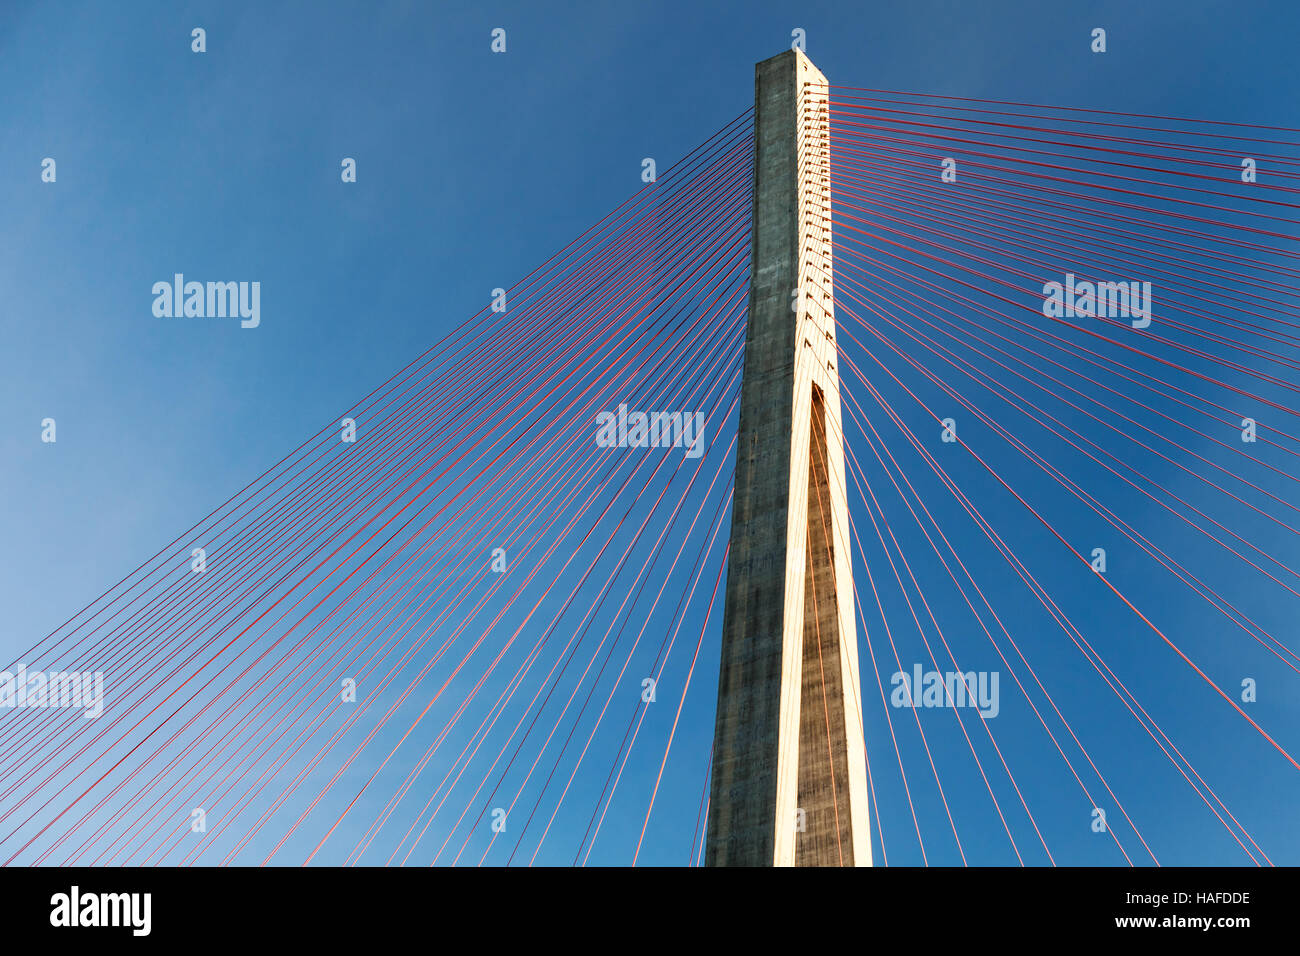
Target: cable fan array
1069	347
431	644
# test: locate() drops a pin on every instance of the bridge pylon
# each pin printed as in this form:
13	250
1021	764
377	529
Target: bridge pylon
789	771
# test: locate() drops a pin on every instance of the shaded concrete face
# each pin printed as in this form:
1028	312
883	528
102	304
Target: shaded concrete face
827	836
789	781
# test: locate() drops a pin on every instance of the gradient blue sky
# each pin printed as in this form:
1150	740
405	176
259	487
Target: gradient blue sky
472	169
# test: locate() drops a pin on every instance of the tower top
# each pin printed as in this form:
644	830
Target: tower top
806	70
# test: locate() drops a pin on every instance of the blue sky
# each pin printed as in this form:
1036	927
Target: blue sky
472	168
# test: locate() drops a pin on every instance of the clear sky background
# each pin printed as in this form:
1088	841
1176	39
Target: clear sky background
472	168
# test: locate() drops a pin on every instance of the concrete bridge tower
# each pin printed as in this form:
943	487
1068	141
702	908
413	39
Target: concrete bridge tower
789	771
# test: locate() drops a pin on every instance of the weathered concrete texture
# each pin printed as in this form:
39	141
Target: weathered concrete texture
788	735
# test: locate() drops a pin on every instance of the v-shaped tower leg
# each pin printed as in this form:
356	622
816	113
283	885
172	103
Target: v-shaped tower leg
789	772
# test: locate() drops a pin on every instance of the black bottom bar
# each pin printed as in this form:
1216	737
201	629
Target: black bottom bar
614	908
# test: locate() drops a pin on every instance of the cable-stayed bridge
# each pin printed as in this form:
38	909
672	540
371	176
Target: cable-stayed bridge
479	616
